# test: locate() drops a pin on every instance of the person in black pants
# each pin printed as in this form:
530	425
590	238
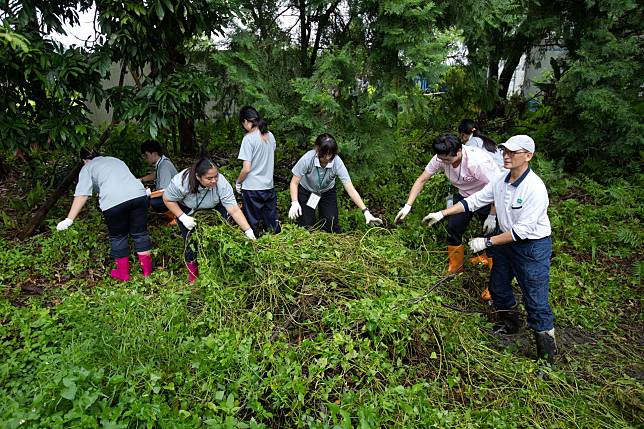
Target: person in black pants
313	187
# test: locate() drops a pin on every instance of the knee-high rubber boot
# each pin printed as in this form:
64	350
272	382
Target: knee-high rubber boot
456	254
122	270
485	260
145	261
193	271
546	344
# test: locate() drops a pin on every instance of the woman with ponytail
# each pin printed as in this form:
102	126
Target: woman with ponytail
471	135
255	181
201	187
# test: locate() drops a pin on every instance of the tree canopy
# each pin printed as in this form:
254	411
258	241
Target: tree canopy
349	67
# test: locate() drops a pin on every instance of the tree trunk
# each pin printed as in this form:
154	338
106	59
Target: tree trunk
509	67
53	198
186	134
42	212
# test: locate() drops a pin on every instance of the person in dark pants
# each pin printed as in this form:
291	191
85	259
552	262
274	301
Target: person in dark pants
164	171
468	169
201	187
255	181
123	201
521	248
313	187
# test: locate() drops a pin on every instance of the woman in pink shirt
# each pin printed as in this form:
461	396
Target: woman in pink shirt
469	169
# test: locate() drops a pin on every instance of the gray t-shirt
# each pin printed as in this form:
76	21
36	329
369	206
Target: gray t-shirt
165	171
111	179
316	179
261	154
206	198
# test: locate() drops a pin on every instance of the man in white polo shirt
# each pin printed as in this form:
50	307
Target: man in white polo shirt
522	247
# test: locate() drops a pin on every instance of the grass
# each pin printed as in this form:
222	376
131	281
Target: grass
314	330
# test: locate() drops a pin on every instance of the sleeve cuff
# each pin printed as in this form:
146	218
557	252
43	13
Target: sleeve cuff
515	236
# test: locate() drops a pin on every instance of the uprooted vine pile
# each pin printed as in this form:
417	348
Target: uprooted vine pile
294	330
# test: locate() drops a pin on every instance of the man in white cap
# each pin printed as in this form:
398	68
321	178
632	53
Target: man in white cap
522	245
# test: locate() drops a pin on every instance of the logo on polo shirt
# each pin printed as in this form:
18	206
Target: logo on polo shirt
519	200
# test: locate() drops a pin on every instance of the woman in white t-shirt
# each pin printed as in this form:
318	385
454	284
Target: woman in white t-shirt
470	135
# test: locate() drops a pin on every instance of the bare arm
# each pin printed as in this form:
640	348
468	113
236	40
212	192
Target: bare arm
149	178
77	206
503	238
239	217
295	181
418	187
244	171
173	206
355	197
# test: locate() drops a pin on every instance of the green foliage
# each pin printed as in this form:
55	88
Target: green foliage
44	93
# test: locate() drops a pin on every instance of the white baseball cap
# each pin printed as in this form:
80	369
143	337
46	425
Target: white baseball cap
518	142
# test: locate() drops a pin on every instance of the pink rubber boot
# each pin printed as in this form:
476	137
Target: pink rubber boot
193	271
122	270
145	261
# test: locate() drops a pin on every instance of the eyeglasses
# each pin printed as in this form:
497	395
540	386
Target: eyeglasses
511	153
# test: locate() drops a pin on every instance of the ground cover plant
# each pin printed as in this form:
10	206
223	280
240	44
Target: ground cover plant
315	330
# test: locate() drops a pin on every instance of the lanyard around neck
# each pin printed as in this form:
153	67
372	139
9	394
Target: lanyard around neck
201	200
321	178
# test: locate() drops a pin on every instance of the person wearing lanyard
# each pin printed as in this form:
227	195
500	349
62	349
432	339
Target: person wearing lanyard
313	186
470	135
200	187
522	246
255	181
123	201
469	170
164	171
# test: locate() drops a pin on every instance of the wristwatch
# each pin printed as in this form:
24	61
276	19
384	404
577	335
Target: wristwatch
488	242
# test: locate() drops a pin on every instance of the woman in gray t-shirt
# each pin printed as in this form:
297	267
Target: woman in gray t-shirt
313	187
124	203
196	188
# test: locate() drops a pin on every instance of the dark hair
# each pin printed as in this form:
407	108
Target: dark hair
468	126
326	145
151	146
197	169
249	114
88	154
447	144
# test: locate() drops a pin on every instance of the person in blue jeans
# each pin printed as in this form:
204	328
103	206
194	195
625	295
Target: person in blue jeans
521	247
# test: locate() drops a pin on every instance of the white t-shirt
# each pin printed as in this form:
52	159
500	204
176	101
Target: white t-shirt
521	207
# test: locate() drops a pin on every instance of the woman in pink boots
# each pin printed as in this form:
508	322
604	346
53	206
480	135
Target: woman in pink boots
124	203
197	188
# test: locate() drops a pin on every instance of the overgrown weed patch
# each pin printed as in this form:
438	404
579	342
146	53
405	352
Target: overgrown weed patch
314	330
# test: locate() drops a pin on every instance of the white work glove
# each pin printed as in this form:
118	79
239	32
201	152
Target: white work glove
477	244
64	224
402	213
250	234
432	218
188	221
371	219
489	225
238	187
148	191
295	211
